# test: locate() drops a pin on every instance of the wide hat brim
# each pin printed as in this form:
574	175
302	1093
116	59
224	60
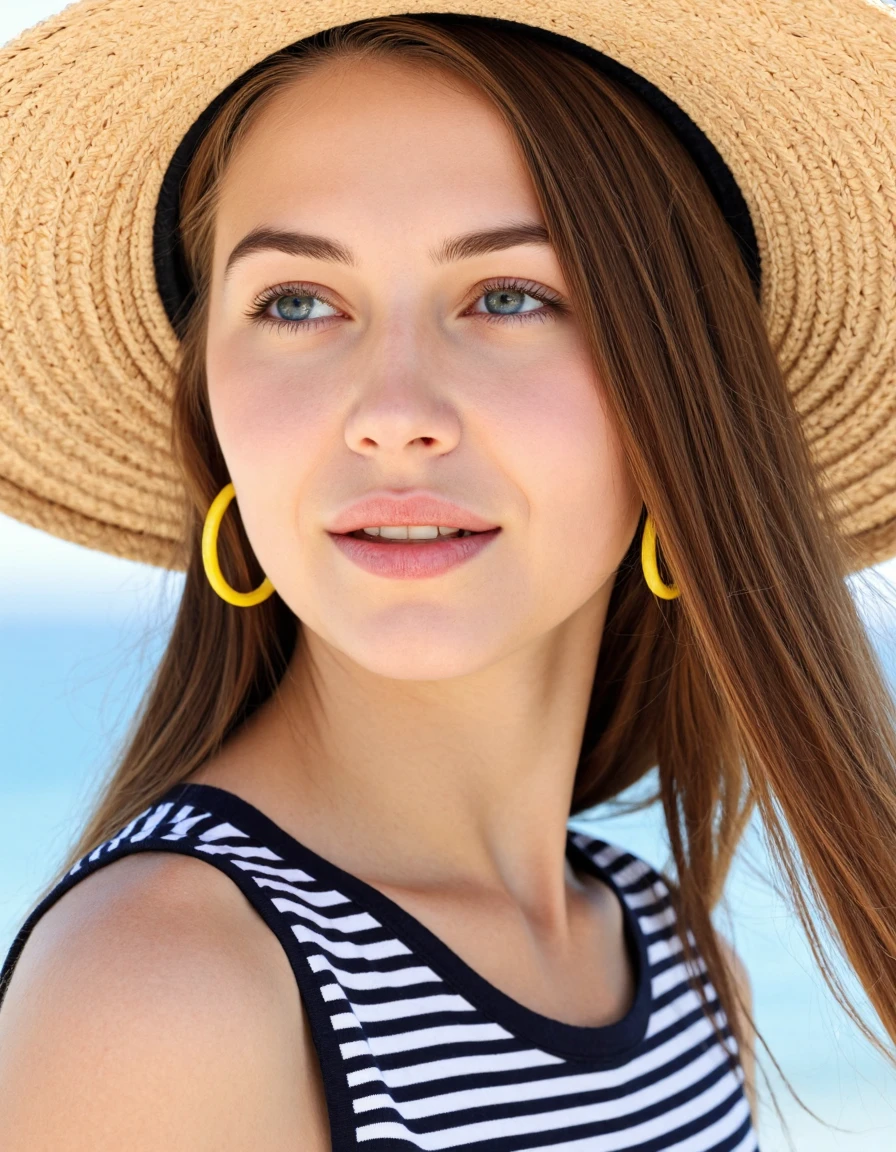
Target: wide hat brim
798	101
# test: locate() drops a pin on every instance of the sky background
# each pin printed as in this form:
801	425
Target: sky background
80	633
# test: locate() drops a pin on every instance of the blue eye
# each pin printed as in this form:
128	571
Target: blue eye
509	296
295	302
296	308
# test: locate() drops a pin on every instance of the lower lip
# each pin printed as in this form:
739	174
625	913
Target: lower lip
413	561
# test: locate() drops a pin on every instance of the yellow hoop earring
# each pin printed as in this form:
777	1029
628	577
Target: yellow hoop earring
213	520
648	563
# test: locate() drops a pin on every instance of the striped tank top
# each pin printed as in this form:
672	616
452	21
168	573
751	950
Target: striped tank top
418	1051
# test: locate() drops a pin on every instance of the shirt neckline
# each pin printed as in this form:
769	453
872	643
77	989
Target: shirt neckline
602	1044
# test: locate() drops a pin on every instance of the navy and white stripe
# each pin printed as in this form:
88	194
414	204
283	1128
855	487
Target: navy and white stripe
418	1051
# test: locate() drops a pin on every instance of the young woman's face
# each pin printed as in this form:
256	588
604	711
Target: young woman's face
400	371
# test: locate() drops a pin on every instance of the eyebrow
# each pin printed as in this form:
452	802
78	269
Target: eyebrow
468	244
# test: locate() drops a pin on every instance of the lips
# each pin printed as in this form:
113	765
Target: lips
359	534
418	559
389	508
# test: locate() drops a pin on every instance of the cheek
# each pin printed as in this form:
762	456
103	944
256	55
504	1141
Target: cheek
256	402
583	500
268	426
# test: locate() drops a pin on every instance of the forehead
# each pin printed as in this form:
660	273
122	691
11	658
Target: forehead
372	131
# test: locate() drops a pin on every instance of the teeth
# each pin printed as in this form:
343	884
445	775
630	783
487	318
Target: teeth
413	531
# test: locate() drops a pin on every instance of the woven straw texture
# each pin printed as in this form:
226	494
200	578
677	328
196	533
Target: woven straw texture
799	100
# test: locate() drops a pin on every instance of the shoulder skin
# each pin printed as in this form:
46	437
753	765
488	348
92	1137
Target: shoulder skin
151	980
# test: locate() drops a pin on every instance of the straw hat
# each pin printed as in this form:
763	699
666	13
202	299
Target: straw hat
789	110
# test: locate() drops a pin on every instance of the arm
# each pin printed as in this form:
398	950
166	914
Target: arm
743	991
149	1011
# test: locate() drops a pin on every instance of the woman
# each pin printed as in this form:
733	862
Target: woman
451	302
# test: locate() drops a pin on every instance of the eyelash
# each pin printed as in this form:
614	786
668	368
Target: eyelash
554	303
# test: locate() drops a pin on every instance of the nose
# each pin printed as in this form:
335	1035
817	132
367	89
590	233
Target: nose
400	413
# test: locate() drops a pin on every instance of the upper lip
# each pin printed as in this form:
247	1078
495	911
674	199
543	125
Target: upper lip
379	509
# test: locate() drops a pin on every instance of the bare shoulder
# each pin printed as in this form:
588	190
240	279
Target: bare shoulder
154	979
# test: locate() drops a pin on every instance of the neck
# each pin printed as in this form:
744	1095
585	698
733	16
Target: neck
460	782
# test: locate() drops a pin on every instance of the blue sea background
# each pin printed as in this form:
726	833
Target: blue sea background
80	634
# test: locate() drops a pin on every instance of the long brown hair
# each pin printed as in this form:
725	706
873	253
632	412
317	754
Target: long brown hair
758	687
